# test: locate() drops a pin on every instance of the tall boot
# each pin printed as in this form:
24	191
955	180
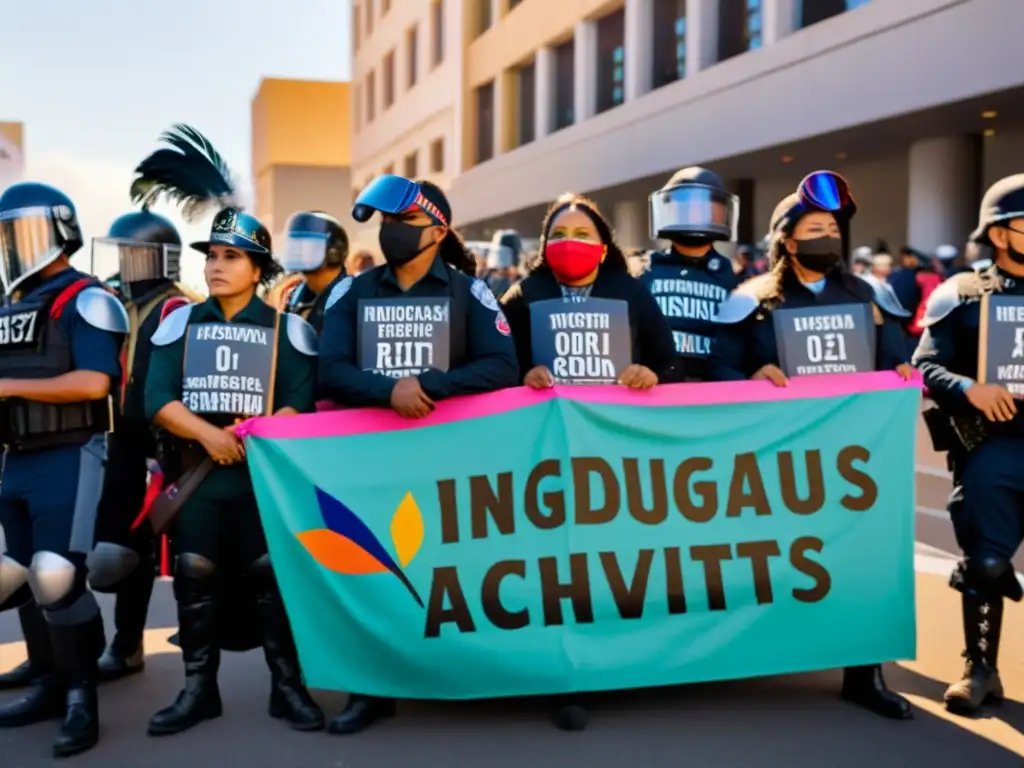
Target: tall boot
866	686
125	655
983	624
200	698
32	624
289	698
76	647
44	699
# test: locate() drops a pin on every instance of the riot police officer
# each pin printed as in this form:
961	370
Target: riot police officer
690	278
987	505
315	251
469	349
806	247
146	251
59	370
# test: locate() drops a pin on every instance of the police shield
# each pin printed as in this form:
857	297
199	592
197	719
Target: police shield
404	336
1001	342
830	339
581	343
229	369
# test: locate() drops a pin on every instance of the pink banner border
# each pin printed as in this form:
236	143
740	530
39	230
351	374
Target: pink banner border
340	422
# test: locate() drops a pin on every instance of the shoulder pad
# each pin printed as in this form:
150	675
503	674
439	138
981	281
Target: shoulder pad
736	307
101	309
981	264
884	296
337	292
301	334
960	289
483	293
173	326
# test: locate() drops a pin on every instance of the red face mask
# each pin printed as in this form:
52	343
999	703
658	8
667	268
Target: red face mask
573	260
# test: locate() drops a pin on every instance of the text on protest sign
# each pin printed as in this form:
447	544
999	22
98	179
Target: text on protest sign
1001	342
404	336
581	343
229	368
839	338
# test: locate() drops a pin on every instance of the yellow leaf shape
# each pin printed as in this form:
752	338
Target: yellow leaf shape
407	530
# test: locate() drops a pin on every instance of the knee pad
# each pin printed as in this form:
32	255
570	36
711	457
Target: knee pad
991	576
54	579
109	564
13	577
193	566
261	572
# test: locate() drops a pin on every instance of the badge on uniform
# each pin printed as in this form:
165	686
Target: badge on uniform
404	336
825	339
587	343
482	293
229	369
1001	342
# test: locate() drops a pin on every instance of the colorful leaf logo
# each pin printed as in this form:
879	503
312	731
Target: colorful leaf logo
348	546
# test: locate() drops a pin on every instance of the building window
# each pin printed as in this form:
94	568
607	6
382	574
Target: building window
739	27
527	97
611	55
357	103
669	42
371	87
369	17
565	75
389	79
412	52
437	31
411	166
484	17
437	156
812	11
357	20
485	122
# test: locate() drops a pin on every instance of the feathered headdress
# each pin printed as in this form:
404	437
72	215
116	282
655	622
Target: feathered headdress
191	174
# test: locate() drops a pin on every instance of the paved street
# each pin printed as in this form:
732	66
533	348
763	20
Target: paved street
787	721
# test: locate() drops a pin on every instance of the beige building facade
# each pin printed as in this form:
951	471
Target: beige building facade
920	103
12	153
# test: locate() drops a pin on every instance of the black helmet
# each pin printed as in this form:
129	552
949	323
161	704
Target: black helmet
38	225
694	204
1003	201
313	239
140	247
238	229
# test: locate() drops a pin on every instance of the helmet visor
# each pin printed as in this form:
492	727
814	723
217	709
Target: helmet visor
303	251
694	209
826	191
387	194
136	261
28	242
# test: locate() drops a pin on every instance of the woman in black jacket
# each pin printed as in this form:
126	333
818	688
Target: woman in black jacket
579	260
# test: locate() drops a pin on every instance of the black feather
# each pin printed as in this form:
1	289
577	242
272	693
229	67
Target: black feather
191	174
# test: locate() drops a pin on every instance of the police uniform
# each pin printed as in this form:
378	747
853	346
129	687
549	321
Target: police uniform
745	341
58	324
693	209
145	249
987	503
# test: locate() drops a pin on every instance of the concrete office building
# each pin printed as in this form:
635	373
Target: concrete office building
920	103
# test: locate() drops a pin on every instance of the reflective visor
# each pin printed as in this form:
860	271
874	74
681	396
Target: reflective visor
28	242
826	191
500	256
694	209
303	251
387	194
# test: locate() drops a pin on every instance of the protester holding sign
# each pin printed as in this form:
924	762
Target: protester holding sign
807	316
214	364
972	357
690	279
418	329
580	317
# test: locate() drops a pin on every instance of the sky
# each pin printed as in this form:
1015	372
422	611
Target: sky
97	81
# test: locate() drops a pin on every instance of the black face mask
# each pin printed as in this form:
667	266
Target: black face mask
690	241
400	242
820	254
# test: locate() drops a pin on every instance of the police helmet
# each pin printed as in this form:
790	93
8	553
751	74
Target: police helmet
1003	201
505	249
38	225
235	228
140	246
694	204
313	239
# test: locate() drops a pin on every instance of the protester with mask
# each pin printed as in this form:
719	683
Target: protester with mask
503	261
690	279
579	261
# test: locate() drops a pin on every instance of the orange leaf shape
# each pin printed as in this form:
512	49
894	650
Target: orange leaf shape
336	553
407	530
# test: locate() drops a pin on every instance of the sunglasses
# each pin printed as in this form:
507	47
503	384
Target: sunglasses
826	191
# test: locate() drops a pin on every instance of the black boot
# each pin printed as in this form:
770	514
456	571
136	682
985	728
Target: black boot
32	625
125	655
200	699
44	699
983	624
360	713
866	686
75	649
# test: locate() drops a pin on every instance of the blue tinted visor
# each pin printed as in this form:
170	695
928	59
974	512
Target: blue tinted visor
826	191
387	194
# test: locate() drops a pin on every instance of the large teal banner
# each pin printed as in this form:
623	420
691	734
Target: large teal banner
595	538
